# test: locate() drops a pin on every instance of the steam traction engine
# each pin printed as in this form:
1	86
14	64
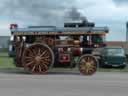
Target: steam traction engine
37	48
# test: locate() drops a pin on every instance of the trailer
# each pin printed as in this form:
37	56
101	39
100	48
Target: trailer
39	48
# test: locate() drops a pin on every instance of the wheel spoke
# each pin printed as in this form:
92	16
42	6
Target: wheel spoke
45	67
83	61
40	70
31	54
87	70
86	59
89	59
45	62
82	67
92	62
33	68
39	51
46	54
29	63
43	53
29	57
46	57
34	53
93	66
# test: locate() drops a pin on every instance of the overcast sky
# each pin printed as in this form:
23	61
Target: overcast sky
111	13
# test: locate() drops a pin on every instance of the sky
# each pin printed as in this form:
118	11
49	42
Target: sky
110	13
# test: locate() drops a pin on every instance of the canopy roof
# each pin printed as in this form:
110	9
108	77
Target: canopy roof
59	30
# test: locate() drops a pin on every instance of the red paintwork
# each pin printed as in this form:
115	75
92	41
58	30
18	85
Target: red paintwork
64	58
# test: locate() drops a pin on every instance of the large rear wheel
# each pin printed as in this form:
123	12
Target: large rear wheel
38	58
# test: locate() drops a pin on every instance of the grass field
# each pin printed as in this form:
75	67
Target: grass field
7	63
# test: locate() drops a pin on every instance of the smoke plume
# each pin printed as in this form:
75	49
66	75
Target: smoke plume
45	12
74	14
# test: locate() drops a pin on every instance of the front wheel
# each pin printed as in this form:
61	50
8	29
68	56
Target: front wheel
87	65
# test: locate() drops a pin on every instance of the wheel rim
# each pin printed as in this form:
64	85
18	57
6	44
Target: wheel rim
37	59
87	65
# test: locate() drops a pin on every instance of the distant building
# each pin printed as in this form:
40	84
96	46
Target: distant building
117	43
4	40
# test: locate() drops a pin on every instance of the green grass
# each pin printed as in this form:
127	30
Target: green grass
5	61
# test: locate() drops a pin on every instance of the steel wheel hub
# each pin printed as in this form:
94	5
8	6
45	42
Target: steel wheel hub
37	59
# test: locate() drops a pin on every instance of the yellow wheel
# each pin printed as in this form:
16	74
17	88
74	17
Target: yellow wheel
37	59
87	65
